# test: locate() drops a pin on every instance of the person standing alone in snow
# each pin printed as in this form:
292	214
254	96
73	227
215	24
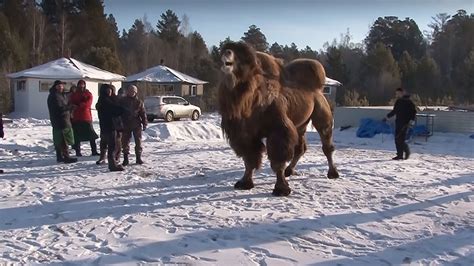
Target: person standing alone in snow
405	112
134	121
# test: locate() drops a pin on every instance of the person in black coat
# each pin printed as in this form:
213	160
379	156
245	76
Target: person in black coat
111	126
60	117
405	112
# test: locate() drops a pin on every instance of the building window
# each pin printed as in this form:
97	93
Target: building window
45	86
327	90
21	85
193	90
169	89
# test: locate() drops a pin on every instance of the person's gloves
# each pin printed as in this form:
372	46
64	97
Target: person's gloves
144	127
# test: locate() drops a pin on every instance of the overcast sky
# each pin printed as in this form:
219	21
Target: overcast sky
304	22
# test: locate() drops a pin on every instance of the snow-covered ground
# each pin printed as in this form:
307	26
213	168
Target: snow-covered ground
181	208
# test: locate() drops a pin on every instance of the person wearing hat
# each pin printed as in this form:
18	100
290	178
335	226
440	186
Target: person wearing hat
81	119
134	121
60	117
111	126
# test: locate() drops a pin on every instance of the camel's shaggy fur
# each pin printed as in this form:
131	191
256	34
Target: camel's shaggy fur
260	97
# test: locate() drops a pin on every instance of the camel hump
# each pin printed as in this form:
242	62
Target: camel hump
270	65
306	74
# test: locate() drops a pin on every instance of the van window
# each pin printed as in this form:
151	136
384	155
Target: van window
180	101
168	100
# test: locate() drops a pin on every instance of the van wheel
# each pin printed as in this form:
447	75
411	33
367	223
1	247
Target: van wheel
195	115
150	119
169	116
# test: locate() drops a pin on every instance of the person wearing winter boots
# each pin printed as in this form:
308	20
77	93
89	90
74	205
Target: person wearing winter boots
134	120
111	126
405	112
81	100
103	136
60	117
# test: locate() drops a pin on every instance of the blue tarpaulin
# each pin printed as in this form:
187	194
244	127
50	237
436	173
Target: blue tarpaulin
420	130
369	128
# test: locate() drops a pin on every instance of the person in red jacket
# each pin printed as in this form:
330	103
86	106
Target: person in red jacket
81	119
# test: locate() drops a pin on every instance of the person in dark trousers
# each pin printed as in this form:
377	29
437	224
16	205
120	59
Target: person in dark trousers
134	121
81	119
2	133
60	116
103	90
111	126
405	112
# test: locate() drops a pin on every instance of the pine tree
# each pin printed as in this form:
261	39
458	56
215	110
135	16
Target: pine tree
408	72
276	50
465	79
428	79
290	52
307	52
335	66
256	38
398	35
452	43
168	27
381	74
103	57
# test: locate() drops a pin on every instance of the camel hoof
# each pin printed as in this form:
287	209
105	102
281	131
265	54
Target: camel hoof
242	185
333	174
290	172
279	192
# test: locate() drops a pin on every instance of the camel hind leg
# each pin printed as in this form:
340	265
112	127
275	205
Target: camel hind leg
300	149
322	119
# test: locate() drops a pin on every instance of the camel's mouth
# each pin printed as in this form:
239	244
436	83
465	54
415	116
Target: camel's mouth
228	61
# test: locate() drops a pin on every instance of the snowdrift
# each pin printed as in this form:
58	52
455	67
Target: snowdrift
184	131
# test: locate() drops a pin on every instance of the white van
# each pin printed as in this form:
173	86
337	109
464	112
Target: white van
170	108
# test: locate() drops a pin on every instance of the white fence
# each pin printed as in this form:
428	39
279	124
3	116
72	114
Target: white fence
444	121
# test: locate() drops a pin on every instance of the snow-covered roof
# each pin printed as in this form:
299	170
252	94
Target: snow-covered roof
332	82
67	68
163	74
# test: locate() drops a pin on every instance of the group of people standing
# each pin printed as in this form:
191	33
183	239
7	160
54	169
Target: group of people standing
119	119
